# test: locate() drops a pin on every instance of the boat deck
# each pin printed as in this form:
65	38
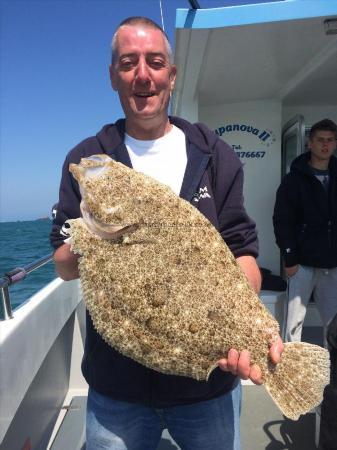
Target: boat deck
264	427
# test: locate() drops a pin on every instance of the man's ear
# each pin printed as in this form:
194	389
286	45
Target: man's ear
173	76
112	72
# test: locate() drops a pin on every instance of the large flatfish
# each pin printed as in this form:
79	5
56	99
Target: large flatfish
163	288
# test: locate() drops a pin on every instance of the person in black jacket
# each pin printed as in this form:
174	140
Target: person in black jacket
305	225
128	404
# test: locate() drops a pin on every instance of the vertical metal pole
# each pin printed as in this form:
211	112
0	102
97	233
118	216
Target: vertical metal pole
6	303
161	15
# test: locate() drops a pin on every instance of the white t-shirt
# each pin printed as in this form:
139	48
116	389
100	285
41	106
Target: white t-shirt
322	176
163	159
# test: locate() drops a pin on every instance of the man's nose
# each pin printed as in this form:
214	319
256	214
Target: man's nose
143	73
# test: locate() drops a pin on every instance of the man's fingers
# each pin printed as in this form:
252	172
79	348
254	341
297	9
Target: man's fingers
223	364
276	350
230	364
239	363
232	361
255	374
243	367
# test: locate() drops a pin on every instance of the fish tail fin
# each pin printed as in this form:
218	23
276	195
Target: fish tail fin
296	384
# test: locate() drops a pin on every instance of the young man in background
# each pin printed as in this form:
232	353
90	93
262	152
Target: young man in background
305	225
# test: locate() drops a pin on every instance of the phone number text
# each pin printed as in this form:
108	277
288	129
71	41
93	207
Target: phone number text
251	154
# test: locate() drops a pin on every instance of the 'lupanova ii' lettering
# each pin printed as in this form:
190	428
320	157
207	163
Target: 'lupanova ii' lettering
263	135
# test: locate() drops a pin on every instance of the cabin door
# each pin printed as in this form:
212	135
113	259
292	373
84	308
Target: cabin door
293	142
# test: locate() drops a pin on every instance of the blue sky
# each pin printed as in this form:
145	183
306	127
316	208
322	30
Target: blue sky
55	89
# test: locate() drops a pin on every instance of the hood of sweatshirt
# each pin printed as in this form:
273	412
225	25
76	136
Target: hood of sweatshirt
300	164
112	135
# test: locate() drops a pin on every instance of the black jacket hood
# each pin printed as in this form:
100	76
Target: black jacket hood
112	135
300	164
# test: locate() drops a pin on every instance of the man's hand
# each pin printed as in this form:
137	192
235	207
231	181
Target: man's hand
238	363
290	271
66	263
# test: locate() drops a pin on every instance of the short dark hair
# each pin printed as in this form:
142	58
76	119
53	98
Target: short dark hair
323	125
139	20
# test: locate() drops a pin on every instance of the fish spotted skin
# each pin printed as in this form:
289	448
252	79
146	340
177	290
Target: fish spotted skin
170	294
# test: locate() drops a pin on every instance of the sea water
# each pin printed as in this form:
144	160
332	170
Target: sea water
22	243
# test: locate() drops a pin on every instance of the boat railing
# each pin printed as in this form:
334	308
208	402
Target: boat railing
15	276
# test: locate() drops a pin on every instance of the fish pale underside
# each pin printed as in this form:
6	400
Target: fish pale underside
165	290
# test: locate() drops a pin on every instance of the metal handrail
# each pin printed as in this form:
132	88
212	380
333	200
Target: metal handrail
15	276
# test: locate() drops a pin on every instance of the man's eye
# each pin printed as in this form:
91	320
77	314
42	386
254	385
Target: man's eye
328	140
126	65
157	64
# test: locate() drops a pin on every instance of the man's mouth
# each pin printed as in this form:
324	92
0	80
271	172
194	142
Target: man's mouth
144	94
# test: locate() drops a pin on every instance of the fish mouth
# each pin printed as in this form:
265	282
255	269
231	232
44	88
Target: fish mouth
105	230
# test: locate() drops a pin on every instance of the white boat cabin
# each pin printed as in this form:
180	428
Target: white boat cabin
246	71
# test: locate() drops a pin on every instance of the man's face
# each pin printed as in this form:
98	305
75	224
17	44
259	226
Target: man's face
322	145
142	74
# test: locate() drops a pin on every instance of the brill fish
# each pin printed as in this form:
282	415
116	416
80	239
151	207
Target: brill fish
163	288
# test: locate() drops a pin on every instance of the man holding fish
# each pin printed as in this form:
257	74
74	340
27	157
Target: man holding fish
128	404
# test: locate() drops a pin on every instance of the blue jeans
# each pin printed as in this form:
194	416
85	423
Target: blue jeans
208	425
